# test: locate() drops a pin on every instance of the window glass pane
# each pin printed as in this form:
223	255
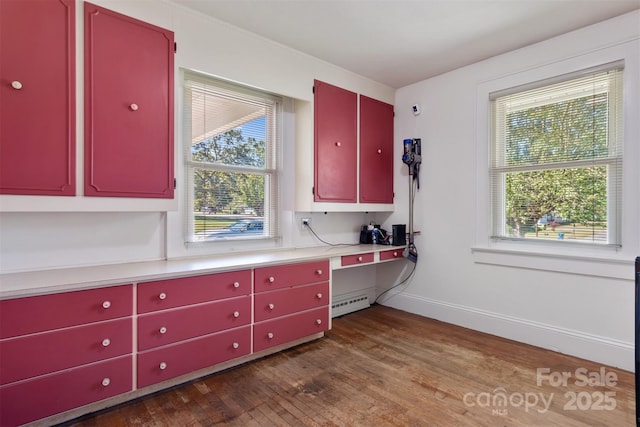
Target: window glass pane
569	204
228	204
240	142
564	131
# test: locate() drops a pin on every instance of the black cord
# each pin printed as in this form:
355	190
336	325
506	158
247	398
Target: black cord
397	284
327	243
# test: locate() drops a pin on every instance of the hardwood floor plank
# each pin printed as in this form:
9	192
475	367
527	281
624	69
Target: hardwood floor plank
385	367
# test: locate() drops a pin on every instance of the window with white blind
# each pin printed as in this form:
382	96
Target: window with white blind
231	160
556	159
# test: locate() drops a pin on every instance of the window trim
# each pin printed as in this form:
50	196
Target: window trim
272	170
527	254
613	161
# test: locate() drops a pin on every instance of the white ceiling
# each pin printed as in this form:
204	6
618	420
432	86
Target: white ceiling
399	42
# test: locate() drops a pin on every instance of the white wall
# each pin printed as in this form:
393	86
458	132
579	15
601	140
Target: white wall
579	303
42	240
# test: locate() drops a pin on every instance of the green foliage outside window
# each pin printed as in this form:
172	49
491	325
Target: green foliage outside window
551	135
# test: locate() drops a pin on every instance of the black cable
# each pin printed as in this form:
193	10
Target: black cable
397	284
327	243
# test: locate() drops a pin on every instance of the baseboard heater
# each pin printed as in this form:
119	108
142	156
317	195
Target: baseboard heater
349	303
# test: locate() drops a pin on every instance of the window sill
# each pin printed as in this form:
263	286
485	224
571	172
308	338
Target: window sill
613	268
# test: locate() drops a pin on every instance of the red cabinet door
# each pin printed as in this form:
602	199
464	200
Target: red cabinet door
37	97
335	119
282	276
376	151
169	326
43	396
174	360
391	254
357	259
37	354
269	305
288	328
128	106
171	293
22	316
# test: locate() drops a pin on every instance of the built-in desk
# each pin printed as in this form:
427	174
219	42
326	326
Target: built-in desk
113	333
41	282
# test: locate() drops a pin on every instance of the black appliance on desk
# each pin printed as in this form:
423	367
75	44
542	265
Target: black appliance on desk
374	234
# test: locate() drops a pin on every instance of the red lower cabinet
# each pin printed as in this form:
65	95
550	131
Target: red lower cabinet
40	397
170	326
269	305
290	302
391	254
39	354
167	362
60	352
288	328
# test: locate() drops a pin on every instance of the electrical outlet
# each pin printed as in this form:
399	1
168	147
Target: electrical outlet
306	222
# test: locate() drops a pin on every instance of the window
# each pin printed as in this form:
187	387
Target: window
556	159
231	160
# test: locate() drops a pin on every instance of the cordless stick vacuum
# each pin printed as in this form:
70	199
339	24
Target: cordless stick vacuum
412	157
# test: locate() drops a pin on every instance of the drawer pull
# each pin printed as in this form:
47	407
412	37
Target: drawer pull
319	321
319	272
272	279
395	253
106	382
236	345
106	342
379	150
16	85
236	314
319	295
134	107
271	306
106	304
162	295
270	335
163	366
359	259
338	144
163	330
236	285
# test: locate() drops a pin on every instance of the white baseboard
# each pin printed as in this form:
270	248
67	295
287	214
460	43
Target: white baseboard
599	349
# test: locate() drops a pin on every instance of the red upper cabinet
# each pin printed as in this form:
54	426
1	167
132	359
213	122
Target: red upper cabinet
336	150
37	97
129	70
376	151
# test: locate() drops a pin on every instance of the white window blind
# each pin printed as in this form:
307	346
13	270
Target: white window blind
556	158
231	160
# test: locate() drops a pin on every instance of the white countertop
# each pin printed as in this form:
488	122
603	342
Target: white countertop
77	278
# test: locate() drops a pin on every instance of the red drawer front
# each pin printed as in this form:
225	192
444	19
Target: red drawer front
163	294
392	254
269	305
282	276
174	360
41	397
357	259
166	327
32	355
23	316
284	329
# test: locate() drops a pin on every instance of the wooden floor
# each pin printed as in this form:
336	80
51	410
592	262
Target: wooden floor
384	367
